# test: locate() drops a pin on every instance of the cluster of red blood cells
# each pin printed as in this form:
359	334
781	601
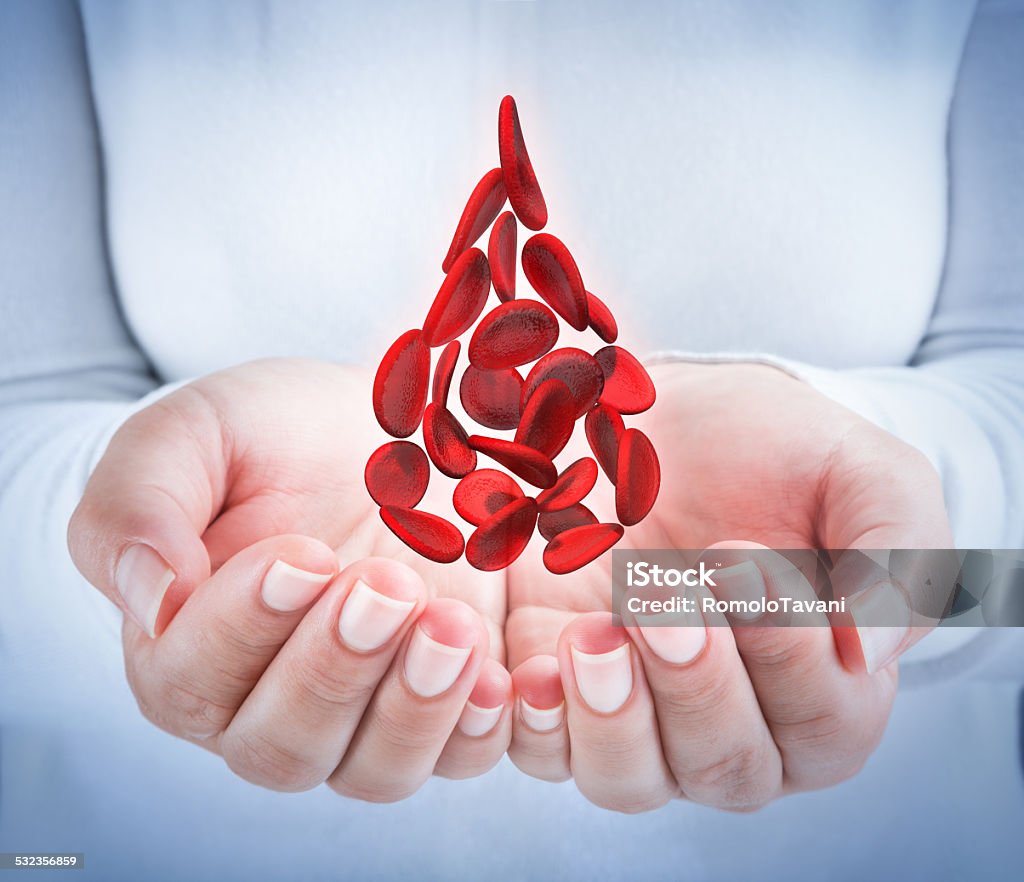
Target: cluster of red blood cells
562	386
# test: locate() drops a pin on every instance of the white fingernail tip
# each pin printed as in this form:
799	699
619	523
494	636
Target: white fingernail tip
542	719
431	667
742	582
883	620
476	721
142	579
672	638
370	619
286	588
604	680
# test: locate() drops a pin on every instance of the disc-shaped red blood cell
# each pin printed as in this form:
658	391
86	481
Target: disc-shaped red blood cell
627	385
638	477
512	334
572	486
460	299
548	418
446	442
492	397
484	203
604	427
553	273
483	493
578	546
551	523
502	537
443	373
520	179
427	534
400	386
574	367
531	465
601	319
397	473
501	255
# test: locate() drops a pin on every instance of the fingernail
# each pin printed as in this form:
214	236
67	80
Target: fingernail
476	721
741	582
882	618
431	667
287	588
142	580
672	640
370	619
604	680
541	719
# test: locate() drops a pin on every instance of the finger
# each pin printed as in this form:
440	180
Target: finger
616	756
540	739
484	729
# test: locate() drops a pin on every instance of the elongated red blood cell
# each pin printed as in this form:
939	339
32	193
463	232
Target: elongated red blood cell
397	473
548	418
601	319
483	493
627	385
502	537
574	367
571	487
484	203
553	273
604	427
638	477
551	523
492	398
400	386
501	255
520	180
578	546
512	334
460	299
446	442
531	465
427	534
444	372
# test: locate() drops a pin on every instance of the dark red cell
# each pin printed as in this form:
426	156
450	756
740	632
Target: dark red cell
501	255
520	179
484	203
460	300
571	487
427	534
551	523
553	273
531	465
601	319
548	418
483	493
446	442
492	398
397	473
444	371
627	385
638	477
400	386
512	334
574	367
502	537
604	427
578	546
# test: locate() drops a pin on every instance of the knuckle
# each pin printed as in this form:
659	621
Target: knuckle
323	688
739	779
262	761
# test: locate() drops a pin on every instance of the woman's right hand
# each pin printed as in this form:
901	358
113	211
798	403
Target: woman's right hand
218	519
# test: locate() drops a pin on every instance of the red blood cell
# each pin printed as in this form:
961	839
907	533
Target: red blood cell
531	465
397	473
548	418
444	372
520	180
446	442
501	255
574	367
572	486
601	319
502	537
484	203
483	493
604	427
638	477
427	534
512	334
627	385
400	386
460	299
578	546
551	523
549	267
492	398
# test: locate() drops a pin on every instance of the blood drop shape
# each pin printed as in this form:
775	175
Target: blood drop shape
553	273
627	385
571	487
574	367
501	255
492	398
604	427
512	334
502	537
551	523
444	372
578	546
460	299
601	319
531	465
547	421
638	477
483	493
520	179
446	442
427	534
400	386
397	473
484	203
